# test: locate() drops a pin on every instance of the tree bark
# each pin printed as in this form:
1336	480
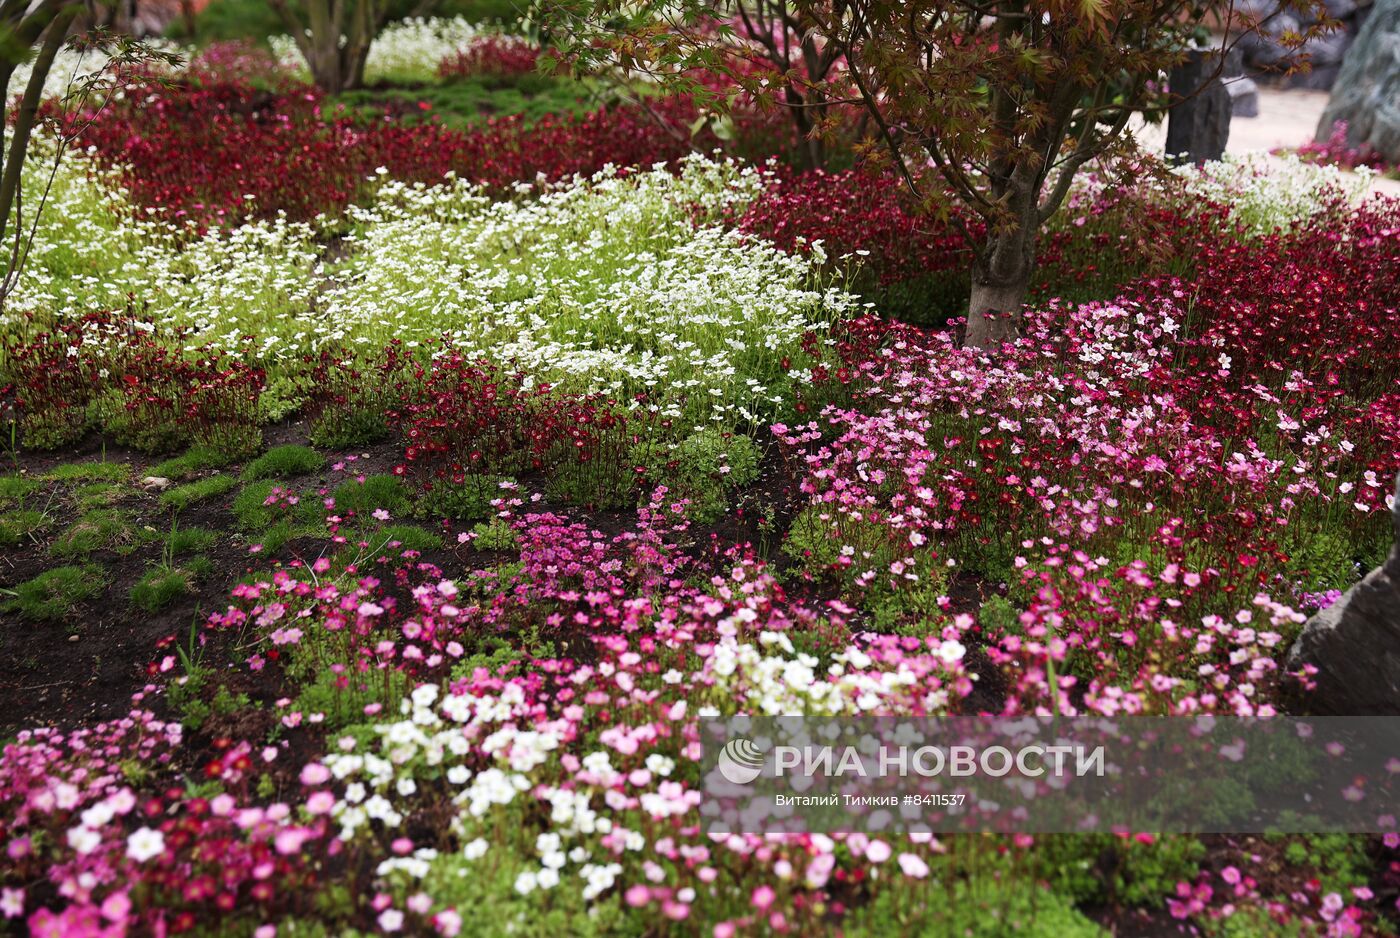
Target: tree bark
1000	283
994	312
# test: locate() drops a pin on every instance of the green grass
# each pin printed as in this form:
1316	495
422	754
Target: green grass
161	586
282	462
55	594
377	491
190	541
103	529
183	496
90	472
408	536
97	495
195	459
17	526
253	515
16	488
466	102
255	20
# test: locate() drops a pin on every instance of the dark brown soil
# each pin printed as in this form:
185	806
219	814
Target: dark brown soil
86	666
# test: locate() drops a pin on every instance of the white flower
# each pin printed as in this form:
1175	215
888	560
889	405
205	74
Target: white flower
144	844
84	840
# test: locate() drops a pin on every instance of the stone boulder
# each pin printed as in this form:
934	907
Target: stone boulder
1198	125
1355	644
1366	94
1268	56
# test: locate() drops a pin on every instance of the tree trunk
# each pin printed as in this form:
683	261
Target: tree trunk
994	312
999	288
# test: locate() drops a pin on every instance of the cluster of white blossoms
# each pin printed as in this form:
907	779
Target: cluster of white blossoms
404	52
72	68
621	284
772	678
606	285
93	251
428	748
1268	192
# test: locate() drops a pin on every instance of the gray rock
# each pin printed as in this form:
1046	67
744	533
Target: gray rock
1244	97
1340	9
1355	644
1367	92
1329	49
1198	124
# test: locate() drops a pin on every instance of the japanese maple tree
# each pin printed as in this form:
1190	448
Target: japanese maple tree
987	109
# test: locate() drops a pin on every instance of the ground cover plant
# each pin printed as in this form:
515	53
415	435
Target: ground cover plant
383	502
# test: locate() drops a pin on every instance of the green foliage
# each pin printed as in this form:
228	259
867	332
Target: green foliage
90	472
282	462
323	691
196	459
494	535
137	430
55	594
704	469
1338	860
253	514
190	541
187	696
224	20
1249	921
98	495
376	491
249	509
52	428
911	610
464	103
281	399
102	529
995	905
17	527
346	427
810	543
160	586
1321	558
1102	869
183	496
596	484
407	536
487	887
14	489
998	617
272	539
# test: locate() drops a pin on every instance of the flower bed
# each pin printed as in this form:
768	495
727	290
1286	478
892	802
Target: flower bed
498	480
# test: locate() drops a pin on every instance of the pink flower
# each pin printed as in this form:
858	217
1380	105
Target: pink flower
913	865
314	773
11	902
320	802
